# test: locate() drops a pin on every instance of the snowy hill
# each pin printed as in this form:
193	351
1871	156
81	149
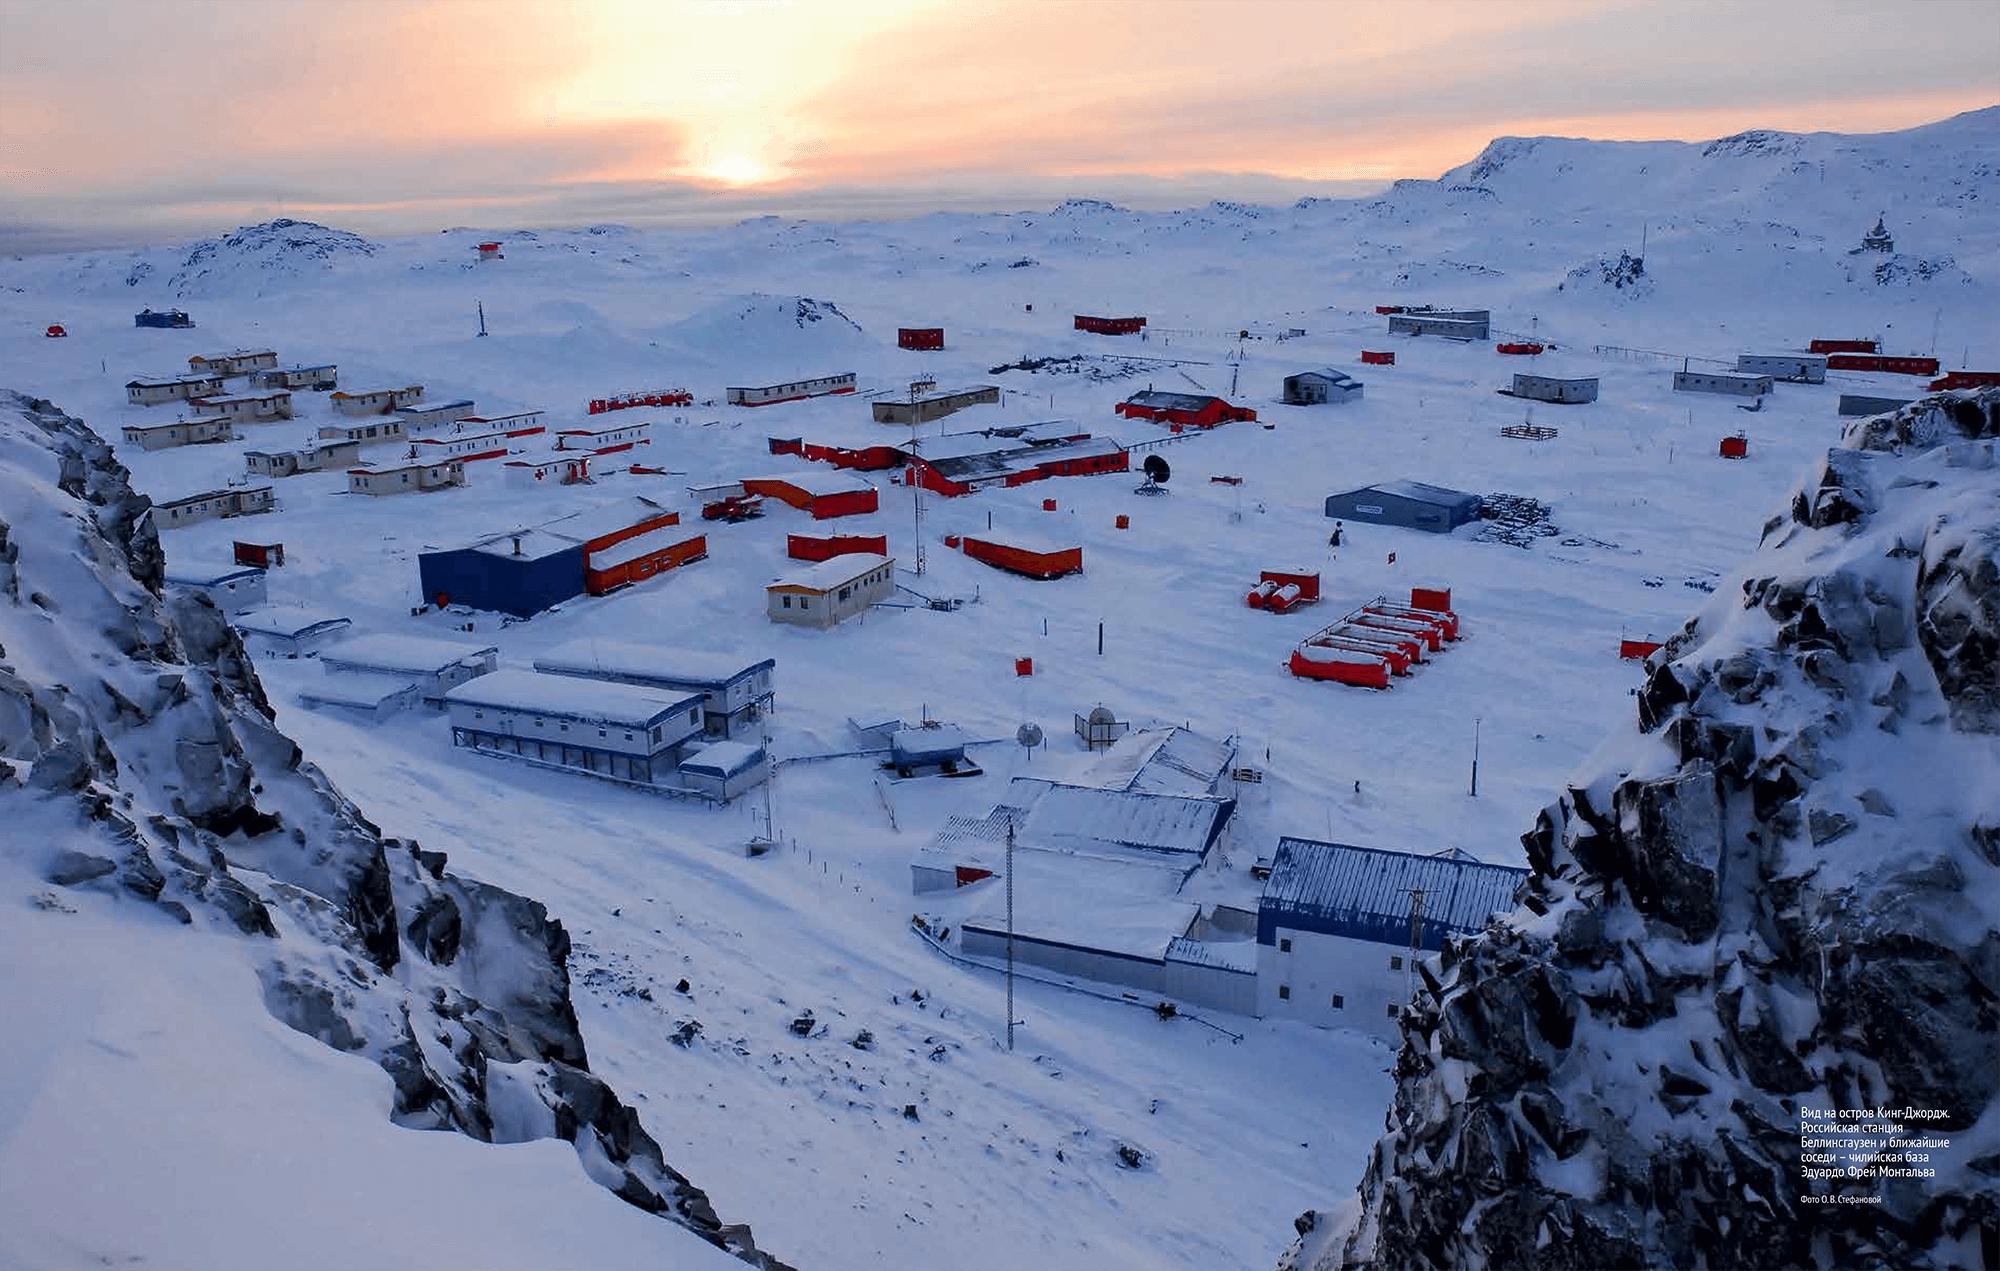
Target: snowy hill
1780	891
161	827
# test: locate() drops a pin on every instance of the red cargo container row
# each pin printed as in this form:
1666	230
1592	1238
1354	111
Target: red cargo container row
1110	326
920	337
1886	365
1031	562
1407	646
1398	656
651	397
1841	346
820	506
807	547
1343	666
1391	308
1374	358
1523	347
1444	619
1965	379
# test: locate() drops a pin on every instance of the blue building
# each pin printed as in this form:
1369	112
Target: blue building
521	573
169	318
1412	505
1338	926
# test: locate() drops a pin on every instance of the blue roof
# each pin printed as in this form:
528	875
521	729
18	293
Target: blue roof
723	759
1422	492
1363	893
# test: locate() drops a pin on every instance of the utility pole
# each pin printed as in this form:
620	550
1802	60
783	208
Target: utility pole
1475	757
917	511
1010	935
482	316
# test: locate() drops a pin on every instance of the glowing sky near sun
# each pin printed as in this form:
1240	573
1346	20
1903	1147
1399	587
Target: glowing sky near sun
387	115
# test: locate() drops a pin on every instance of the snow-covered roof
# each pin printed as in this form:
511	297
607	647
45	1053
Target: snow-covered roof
723	759
966	461
1160	399
1172	760
817	481
231	399
287	621
1419	492
164	381
424	408
367	690
605	518
310	366
638	545
1081	818
1364	893
1106	906
408	654
529	544
662	665
927	745
1329	373
570	697
970	840
828	574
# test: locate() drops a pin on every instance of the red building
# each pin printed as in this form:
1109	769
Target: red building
826	547
1191	410
1525	346
645	397
637	557
1110	326
822	495
1019	557
961	463
920	337
1886	365
1965	379
1373	358
1842	346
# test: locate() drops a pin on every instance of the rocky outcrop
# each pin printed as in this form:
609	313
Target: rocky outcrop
1778	899
142	711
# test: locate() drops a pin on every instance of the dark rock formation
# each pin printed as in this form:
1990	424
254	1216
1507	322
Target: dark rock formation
1779	900
188	798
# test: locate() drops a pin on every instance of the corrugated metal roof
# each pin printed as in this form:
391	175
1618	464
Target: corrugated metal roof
1160	399
568	697
723	759
1364	893
411	654
1079	818
1421	492
660	665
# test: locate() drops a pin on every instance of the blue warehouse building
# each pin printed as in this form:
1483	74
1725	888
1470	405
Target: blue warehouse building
1412	505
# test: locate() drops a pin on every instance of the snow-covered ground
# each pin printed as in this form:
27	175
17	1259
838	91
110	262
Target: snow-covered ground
1014	1155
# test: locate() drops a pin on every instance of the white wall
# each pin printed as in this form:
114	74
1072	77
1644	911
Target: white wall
1318	967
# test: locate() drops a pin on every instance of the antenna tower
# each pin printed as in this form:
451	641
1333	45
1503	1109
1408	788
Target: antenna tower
917	563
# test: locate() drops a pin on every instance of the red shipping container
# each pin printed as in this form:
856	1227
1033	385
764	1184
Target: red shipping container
1373	358
1342	666
1024	666
1842	346
1735	447
1438	598
1638	648
1965	379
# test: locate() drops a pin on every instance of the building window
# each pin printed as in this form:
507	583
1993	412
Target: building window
805	602
1339	1002
1392	1010
694	715
538	723
845	592
1285	992
479	714
1395	964
602	733
787	602
656	734
1284	944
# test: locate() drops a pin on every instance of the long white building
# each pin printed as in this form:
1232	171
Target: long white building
735	694
619	731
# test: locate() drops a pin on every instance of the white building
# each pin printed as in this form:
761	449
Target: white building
1553	388
153	390
434	665
796	390
289	631
468	447
375	401
1721	382
831	591
620	731
407	477
1334	943
232	588
546	471
417	416
215	504
322	456
359	695
240	362
1800	368
321	378
607	440
272	404
1317	387
182	432
373	433
721	770
519	423
735	694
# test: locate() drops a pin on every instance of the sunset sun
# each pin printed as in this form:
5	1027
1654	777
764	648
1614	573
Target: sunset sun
736	169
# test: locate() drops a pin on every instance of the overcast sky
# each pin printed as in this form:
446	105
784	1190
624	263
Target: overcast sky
125	121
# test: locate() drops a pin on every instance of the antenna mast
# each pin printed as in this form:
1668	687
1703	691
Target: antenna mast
1010	934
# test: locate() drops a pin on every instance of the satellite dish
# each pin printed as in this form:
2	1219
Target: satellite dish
1029	735
1156	469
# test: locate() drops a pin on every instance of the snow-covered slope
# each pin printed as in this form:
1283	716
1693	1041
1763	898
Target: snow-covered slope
144	786
1762	940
